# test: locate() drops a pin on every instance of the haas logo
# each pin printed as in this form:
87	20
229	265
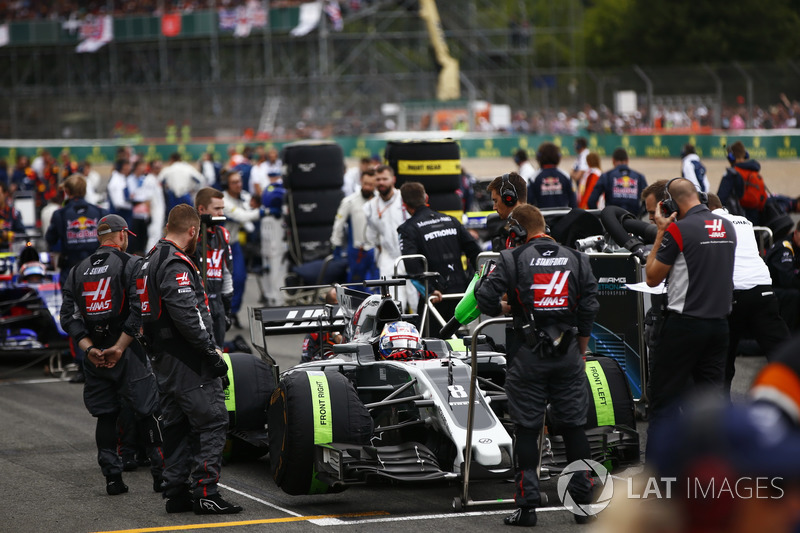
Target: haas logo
141	290
214	264
715	229
183	279
551	289
98	297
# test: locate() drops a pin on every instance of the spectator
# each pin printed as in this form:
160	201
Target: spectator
621	185
550	187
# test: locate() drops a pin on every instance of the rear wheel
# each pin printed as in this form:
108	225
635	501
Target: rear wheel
306	409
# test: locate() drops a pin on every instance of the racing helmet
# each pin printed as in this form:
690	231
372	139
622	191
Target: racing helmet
398	336
32	272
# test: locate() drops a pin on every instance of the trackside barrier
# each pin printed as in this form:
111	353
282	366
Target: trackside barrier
464	501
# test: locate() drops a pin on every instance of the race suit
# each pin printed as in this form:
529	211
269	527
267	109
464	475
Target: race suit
100	302
556	286
177	329
219	283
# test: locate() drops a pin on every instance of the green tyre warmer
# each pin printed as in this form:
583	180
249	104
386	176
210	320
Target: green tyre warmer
306	409
610	398
246	399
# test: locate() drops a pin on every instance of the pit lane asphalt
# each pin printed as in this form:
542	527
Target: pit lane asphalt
51	481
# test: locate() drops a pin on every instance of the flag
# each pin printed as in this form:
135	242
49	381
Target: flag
96	33
310	13
227	19
334	13
4	37
243	23
171	24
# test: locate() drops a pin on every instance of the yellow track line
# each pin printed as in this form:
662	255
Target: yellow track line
244	522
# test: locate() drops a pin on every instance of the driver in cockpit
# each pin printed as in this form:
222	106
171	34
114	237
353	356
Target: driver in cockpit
400	341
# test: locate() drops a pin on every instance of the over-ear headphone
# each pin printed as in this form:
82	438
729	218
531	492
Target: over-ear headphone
517	234
508	193
731	157
669	206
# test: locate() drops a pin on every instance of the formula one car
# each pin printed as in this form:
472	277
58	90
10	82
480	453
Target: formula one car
357	417
30	300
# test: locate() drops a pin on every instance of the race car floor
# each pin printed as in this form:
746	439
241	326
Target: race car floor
51	480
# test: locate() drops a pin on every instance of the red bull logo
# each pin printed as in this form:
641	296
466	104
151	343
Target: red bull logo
82	229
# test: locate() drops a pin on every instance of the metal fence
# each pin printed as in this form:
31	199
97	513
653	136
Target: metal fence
329	83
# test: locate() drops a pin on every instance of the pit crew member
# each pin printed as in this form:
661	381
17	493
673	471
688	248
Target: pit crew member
101	313
552	297
177	329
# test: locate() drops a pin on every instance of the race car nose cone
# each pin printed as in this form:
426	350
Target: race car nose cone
486	453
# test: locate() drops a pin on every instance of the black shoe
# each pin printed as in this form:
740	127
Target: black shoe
580	519
129	464
115	486
182	503
158	483
523	516
79	377
214	504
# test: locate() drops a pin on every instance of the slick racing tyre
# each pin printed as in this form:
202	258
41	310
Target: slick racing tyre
446	203
312	166
434	164
247	399
314	242
309	408
617	409
312	208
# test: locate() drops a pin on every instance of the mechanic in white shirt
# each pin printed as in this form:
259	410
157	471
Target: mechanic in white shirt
118	194
755	306
581	167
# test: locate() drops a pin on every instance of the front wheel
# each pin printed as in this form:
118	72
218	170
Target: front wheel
306	409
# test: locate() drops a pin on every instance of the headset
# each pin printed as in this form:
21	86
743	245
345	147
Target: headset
517	234
508	193
669	206
731	157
